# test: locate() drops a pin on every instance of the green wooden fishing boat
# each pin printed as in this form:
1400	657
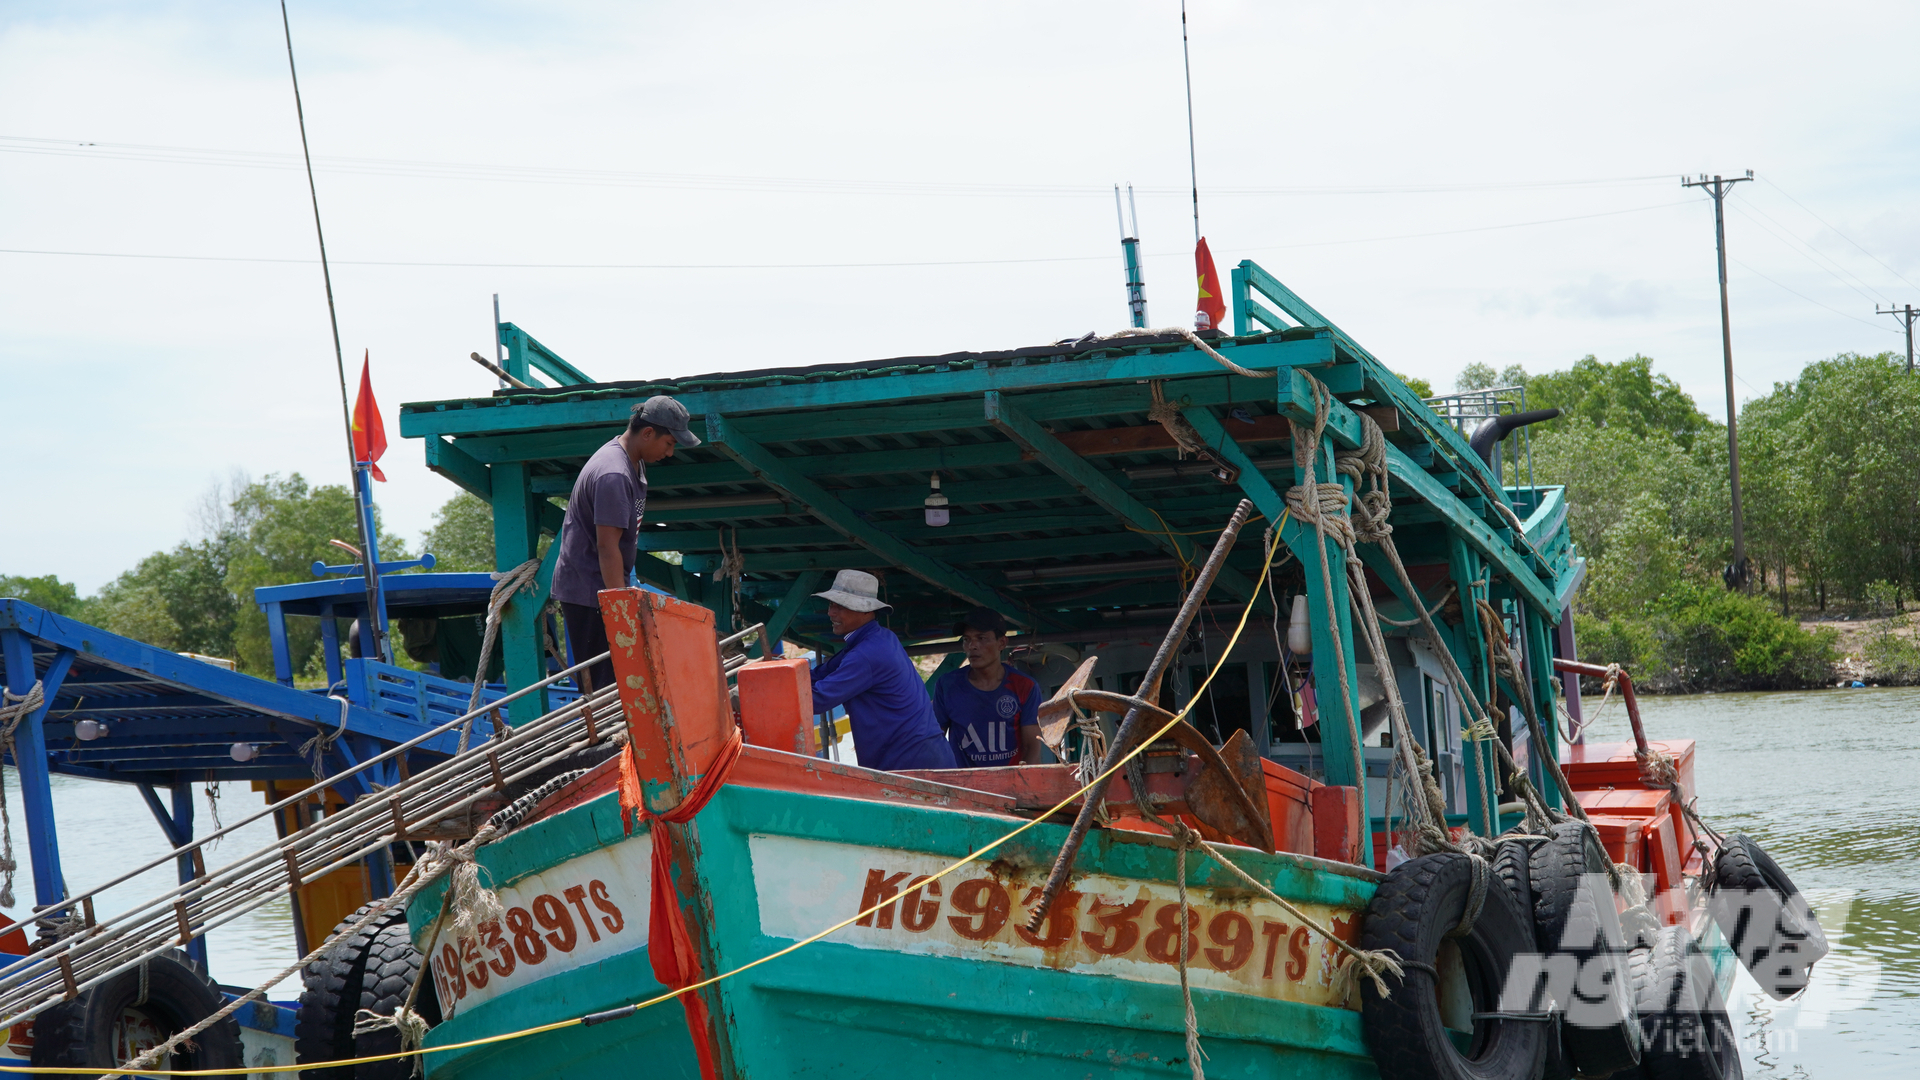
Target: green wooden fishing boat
1079	475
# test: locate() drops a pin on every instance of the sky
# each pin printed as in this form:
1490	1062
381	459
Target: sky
667	189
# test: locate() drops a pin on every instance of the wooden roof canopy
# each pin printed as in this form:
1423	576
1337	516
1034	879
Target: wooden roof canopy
1072	512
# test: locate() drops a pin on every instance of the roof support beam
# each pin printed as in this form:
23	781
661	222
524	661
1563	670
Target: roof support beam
1124	366
778	474
458	466
1090	482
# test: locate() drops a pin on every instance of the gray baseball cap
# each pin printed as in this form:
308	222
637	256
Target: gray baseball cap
664	412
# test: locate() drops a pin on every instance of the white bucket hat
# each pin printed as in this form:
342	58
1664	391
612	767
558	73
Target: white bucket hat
855	590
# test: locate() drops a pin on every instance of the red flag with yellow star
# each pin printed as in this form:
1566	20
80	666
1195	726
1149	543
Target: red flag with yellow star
1212	295
369	434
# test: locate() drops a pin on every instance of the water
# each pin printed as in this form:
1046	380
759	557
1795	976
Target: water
106	830
1826	781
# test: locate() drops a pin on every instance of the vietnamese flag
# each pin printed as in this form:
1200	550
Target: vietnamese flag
369	434
1211	302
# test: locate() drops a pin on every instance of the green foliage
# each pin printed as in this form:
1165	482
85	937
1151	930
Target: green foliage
461	538
1479	376
47	592
1420	387
176	599
1625	395
1627	642
281	527
1608	470
1713	639
136	611
1643	561
1831	475
1892	657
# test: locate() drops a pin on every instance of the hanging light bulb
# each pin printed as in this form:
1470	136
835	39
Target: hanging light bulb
88	730
244	752
937	513
1299	633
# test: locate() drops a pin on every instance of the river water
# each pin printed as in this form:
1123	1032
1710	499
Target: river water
1827	780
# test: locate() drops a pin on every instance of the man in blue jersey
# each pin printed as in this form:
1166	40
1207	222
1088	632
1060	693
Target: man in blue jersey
886	700
991	713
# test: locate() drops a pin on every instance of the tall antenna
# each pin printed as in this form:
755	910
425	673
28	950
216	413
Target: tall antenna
378	626
1130	253
1193	166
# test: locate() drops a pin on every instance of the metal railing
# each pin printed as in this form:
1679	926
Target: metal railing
1469	409
90	952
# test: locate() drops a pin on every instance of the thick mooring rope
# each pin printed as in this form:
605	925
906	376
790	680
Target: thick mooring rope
505	583
16	707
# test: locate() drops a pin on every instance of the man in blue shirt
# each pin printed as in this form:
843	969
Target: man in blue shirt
990	712
893	724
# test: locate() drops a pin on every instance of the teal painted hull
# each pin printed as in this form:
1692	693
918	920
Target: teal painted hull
885	1000
539	860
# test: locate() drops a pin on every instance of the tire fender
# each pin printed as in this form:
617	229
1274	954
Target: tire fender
1577	932
80	1033
1414	912
1765	919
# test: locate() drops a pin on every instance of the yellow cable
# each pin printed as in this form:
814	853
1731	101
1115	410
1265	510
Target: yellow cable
1246	613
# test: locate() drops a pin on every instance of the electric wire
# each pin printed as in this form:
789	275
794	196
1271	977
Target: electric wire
1776	186
437	170
1809	252
813	266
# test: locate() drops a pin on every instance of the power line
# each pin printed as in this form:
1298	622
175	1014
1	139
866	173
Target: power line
446	264
441	170
1775	185
1811	253
1808	299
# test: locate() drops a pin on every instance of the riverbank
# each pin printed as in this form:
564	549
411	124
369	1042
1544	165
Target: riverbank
1877	651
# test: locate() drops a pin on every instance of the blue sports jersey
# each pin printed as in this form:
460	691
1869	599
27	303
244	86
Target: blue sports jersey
984	725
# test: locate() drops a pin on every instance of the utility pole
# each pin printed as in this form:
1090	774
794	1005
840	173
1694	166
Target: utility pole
1735	575
1906	313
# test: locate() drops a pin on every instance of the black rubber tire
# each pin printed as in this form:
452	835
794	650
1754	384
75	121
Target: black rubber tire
1765	919
1574	914
1510	866
79	1033
1412	913
323	1027
392	964
1686	1033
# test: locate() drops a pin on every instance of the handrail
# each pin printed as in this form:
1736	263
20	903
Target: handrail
1626	694
190	849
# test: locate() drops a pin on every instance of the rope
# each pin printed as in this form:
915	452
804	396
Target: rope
1192	339
505	583
13	709
315	749
732	565
1371	964
1169	416
1434	610
423	873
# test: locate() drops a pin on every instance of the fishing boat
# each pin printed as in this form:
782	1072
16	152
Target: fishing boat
1320	805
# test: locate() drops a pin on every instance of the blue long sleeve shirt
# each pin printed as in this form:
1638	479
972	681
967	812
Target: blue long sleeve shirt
892	717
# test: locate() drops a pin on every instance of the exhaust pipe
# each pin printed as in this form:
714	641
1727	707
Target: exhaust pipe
1488	435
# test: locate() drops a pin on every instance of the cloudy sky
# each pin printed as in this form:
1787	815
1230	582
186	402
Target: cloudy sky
667	189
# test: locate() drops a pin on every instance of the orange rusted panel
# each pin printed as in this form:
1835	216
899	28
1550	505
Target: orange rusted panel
1290	805
1663	850
1598	765
1336	822
776	706
666	661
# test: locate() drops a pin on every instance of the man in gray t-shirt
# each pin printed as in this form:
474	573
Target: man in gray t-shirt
598	540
